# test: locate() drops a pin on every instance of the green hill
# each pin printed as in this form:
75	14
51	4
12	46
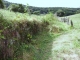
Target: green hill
44	10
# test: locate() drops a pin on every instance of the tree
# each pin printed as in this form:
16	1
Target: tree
27	9
21	8
36	12
1	4
17	8
60	13
78	11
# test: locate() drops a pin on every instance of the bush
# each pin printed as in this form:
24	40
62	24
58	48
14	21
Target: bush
36	12
17	8
1	4
60	13
50	18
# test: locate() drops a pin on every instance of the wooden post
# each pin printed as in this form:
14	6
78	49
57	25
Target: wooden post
71	23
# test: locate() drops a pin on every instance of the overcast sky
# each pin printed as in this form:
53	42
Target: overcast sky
49	3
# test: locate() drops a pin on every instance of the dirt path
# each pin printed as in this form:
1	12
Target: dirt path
66	46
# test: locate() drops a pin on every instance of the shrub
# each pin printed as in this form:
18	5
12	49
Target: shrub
1	4
17	8
36	12
60	13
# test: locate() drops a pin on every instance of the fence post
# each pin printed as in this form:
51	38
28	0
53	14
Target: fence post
71	23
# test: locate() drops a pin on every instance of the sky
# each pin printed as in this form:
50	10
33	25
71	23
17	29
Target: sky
49	3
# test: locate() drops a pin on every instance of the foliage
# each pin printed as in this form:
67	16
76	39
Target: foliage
49	19
78	11
17	35
23	32
45	10
60	13
1	4
17	8
42	45
36	12
26	9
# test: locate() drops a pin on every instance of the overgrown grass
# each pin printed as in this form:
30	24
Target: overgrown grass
19	30
42	46
31	33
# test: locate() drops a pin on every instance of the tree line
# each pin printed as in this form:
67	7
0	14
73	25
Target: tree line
61	11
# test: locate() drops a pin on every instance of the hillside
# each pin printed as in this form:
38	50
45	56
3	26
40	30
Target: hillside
27	37
45	10
43	36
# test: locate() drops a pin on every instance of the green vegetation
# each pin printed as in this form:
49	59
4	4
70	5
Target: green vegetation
44	10
35	33
27	34
67	45
60	13
1	4
17	8
36	12
76	20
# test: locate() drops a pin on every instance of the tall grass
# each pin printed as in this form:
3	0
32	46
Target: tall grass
17	33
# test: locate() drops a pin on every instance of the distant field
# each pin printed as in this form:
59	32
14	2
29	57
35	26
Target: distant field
76	20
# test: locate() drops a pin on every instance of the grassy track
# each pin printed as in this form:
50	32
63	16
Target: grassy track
67	46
